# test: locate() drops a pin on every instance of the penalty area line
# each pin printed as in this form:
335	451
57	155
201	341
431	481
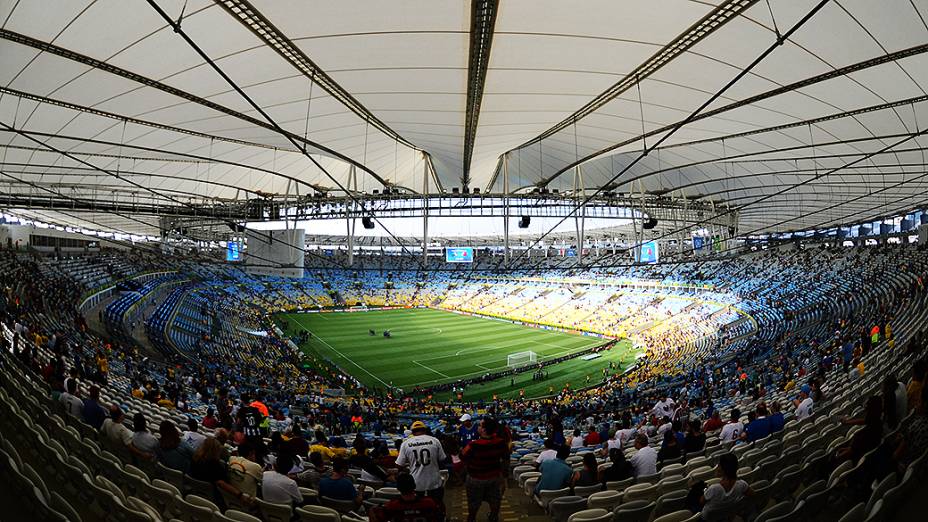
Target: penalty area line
431	369
345	357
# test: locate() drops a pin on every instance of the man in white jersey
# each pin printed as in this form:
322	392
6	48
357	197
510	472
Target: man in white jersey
732	430
804	403
72	403
423	454
664	407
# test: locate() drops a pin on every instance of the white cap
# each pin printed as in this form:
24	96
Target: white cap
466	417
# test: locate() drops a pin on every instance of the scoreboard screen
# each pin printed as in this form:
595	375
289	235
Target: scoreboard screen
459	255
648	252
233	251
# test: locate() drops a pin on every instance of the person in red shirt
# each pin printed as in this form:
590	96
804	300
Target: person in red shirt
714	423
592	438
210	421
487	463
260	407
409	507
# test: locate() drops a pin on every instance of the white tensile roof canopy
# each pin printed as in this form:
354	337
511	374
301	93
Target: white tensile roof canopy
800	113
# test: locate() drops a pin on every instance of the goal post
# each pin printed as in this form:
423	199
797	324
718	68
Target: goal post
520	359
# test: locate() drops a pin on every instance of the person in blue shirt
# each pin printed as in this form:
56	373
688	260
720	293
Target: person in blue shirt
759	427
848	354
555	473
339	486
776	419
468	430
92	412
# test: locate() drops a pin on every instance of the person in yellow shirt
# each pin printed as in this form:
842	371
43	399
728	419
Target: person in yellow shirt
914	389
321	446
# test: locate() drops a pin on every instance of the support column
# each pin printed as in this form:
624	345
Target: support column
425	211
579	217
349	206
506	210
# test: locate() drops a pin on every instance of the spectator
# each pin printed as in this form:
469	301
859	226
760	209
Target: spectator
645	459
894	402
868	437
915	441
550	452
468	430
804	403
731	431
92	412
210	421
713	423
576	440
620	468
245	470
625	434
592	437
695	440
914	389
321	446
117	433
719	498
72	404
589	474
663	408
487	462
277	487
206	465
192	437
338	486
172	451
555	473
311	475
759	427
670	449
777	422
423	455
297	445
409	507
665	427
143	441
370	470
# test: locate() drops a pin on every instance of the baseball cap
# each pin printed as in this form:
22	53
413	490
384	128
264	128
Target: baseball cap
806	389
466	417
418	425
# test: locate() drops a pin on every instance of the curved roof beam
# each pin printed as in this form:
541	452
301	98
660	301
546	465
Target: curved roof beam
148	82
482	24
196	157
843	71
176	26
777	128
273	38
130	119
714	20
87	172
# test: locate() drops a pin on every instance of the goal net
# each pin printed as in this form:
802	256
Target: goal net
517	360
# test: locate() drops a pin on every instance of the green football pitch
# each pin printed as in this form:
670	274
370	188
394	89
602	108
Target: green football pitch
429	347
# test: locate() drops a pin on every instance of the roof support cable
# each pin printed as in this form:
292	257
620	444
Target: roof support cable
776	29
848	165
814	160
162	194
917	129
644	138
309	104
693	115
180	17
122	139
271	121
